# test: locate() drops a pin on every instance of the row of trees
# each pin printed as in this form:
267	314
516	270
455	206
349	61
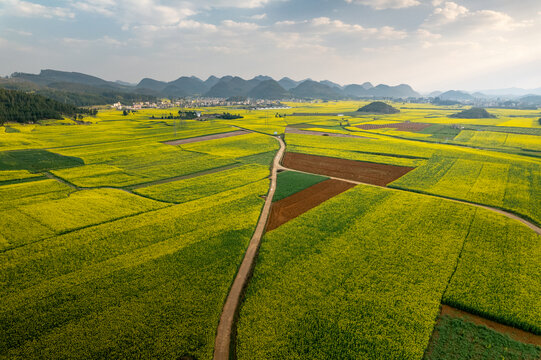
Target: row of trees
18	106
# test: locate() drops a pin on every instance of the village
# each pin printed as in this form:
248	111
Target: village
243	103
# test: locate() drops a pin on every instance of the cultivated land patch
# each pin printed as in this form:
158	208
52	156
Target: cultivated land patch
291	182
360	171
319	133
206	137
403	126
512	332
456	338
292	206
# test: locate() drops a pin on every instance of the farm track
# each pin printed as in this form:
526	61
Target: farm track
224	336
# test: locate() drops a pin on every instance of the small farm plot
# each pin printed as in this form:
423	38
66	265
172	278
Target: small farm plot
13	176
206	137
320	132
132	170
505	184
498	275
491	139
197	187
370	173
291	182
300	202
236	146
458	338
401	126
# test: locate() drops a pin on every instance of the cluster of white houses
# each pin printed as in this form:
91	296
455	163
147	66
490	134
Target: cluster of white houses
199	102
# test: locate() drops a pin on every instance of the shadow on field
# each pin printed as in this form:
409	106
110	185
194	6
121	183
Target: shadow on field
36	160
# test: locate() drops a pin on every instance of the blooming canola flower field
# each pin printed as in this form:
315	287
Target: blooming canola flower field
116	244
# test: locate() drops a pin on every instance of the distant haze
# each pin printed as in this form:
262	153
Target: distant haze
429	44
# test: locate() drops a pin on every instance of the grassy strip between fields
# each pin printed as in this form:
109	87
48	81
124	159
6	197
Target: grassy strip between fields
455	338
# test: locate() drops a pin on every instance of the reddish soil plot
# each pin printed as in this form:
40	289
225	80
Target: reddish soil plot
206	137
290	130
365	172
404	126
292	206
514	333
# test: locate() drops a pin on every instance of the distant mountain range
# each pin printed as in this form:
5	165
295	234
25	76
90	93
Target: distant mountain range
524	96
85	89
265	87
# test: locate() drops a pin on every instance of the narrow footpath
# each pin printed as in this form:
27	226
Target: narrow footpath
223	345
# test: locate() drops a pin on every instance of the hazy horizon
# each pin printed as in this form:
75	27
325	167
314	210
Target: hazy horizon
430	45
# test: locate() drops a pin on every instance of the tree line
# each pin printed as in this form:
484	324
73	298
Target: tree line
18	106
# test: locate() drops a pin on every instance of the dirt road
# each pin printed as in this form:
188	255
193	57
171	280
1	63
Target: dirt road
224	334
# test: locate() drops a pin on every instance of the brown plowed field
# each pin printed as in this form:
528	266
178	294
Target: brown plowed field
206	137
292	206
365	172
404	126
514	333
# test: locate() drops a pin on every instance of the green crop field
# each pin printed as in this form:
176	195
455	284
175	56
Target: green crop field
115	244
291	182
460	339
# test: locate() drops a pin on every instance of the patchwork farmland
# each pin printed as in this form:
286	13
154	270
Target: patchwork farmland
300	236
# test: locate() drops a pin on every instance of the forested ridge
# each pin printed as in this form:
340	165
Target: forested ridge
17	106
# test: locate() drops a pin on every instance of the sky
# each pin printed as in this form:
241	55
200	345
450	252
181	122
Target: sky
428	44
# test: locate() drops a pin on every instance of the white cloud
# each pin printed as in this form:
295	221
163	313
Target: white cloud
196	25
106	40
285	23
246	4
385	32
386	4
30	9
449	12
258	16
456	17
427	35
137	12
230	24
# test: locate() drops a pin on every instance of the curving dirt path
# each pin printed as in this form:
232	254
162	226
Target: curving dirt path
224	335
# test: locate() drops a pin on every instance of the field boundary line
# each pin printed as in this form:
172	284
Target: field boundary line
60	180
184	177
224	344
508	214
459	257
494	150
